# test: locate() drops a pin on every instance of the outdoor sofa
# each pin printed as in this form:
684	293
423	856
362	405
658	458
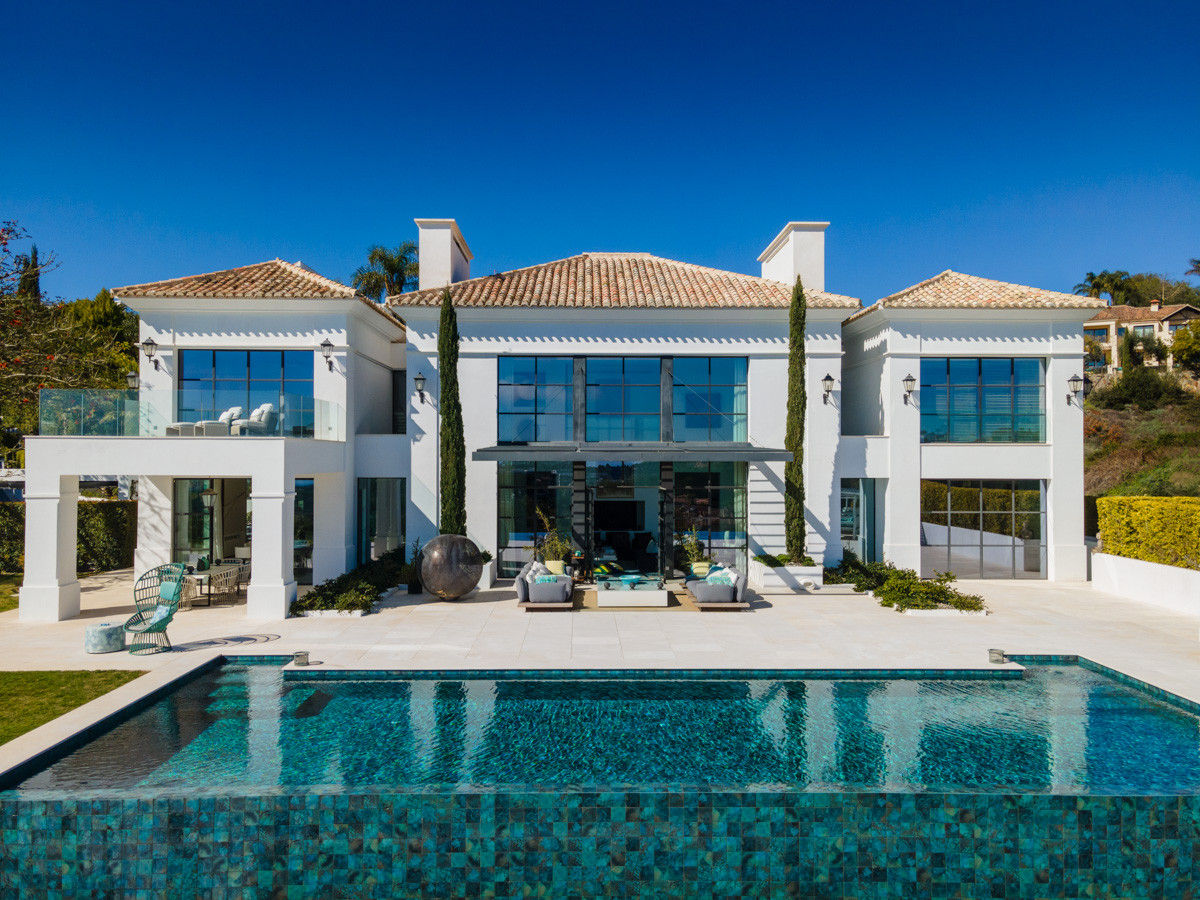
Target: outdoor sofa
557	594
718	596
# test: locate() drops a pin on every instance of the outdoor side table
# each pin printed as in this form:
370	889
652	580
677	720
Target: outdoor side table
104	638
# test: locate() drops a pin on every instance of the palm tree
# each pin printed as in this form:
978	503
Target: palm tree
1111	283
1195	269
387	272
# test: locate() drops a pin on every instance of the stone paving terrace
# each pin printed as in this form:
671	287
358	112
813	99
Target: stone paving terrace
831	629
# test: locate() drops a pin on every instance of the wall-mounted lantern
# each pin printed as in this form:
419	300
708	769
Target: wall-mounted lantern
827	385
149	347
910	385
327	352
132	381
1074	388
419	384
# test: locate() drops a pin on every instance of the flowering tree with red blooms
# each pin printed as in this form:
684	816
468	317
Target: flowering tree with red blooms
42	345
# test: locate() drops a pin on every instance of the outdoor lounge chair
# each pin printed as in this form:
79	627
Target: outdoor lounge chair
156	597
261	421
719	596
557	594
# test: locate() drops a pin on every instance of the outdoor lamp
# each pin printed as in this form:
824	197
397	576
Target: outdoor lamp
1074	385
1087	385
327	352
208	498
827	384
419	383
910	385
132	380
149	347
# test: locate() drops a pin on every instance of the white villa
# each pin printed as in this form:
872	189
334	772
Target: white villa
284	417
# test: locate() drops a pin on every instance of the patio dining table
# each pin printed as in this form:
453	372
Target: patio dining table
202	580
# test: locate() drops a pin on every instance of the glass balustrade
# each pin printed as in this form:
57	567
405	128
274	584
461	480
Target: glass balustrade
114	413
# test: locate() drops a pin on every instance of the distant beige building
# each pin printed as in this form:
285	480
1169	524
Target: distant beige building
1109	325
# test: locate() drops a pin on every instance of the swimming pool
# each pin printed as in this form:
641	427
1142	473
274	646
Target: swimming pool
252	780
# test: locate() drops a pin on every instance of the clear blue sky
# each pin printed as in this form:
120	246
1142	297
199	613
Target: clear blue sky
1026	141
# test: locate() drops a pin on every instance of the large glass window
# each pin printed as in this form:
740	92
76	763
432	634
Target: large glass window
624	398
212	382
536	401
709	398
1096	334
625	507
381	506
710	499
858	518
983	401
983	529
524	488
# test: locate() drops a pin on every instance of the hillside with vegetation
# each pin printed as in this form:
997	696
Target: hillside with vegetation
1142	426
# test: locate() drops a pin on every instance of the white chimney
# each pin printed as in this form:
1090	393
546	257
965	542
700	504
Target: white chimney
797	250
442	253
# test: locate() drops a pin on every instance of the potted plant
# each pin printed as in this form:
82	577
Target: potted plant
488	577
552	547
697	561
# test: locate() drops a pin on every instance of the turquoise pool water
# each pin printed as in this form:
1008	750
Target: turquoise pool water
1060	729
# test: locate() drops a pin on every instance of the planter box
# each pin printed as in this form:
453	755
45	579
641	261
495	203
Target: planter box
1167	587
945	612
487	577
785	578
325	613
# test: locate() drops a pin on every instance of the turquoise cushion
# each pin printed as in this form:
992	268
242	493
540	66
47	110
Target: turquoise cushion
719	578
546	579
169	591
160	612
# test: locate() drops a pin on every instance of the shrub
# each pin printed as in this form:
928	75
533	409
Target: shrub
777	561
359	588
1162	530
107	535
901	588
1146	389
904	589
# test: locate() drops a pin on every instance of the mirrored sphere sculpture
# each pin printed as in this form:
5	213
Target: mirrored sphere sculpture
450	566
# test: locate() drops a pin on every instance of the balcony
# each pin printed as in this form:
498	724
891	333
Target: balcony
113	413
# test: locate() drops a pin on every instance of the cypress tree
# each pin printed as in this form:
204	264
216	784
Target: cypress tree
452	441
30	283
797	399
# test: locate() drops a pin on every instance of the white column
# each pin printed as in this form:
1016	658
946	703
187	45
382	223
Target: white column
423	486
822	428
902	494
332	527
50	592
1066	552
766	390
272	582
154	524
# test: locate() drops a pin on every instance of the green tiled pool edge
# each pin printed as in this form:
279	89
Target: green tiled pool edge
596	844
618	843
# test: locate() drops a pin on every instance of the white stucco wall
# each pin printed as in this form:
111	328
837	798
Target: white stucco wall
893	342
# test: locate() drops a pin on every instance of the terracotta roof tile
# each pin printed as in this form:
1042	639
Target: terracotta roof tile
1123	313
274	278
621	280
954	290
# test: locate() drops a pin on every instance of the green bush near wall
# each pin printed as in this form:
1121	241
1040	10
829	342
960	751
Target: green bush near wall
106	538
1154	529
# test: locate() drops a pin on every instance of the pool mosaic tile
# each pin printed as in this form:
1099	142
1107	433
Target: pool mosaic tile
604	844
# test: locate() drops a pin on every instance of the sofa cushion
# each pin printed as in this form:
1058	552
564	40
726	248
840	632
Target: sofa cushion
713	593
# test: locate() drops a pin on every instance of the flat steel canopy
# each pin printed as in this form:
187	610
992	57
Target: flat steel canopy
648	451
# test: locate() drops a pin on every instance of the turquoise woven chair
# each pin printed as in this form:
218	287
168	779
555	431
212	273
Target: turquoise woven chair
156	597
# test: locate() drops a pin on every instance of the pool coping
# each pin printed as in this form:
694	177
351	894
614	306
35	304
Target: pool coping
25	755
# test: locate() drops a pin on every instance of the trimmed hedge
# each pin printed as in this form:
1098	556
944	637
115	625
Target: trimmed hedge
1162	530
107	535
358	589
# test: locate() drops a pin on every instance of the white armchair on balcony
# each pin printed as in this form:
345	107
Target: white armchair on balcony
261	421
219	427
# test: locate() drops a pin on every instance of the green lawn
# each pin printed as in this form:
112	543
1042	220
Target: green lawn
34	698
8	591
